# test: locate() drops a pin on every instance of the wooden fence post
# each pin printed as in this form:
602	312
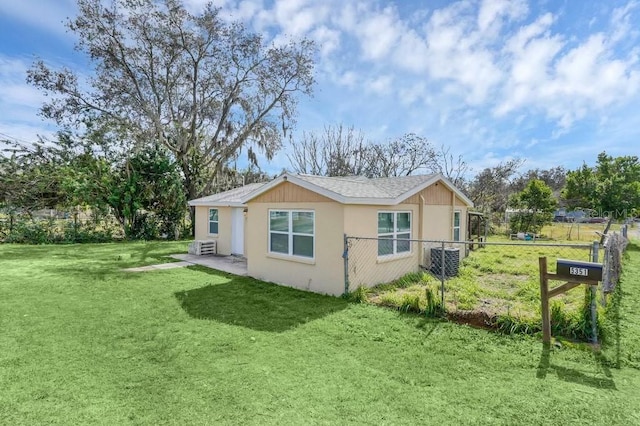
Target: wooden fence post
544	298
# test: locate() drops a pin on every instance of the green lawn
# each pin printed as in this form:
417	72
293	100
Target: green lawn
494	280
82	342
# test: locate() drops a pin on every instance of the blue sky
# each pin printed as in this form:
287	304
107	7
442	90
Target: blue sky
553	82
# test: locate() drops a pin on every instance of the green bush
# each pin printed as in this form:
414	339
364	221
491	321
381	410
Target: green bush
433	307
509	324
23	229
529	222
359	295
411	303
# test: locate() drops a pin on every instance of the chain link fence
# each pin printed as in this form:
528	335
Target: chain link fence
615	245
488	278
53	226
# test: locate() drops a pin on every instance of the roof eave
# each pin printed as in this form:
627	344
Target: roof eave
436	178
297	181
196	203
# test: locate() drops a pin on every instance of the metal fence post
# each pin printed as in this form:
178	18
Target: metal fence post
624	230
345	256
442	276
594	289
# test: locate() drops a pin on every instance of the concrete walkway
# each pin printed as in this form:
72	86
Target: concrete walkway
158	267
231	264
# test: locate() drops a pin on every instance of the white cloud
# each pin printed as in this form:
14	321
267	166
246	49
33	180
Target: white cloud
19	103
492	12
349	79
623	23
380	85
378	32
458	53
566	80
45	15
476	74
328	40
412	53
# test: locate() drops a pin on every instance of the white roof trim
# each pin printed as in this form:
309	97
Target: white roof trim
355	200
436	178
195	203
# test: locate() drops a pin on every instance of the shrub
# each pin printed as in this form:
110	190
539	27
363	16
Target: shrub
391	300
508	324
433	306
411	303
359	295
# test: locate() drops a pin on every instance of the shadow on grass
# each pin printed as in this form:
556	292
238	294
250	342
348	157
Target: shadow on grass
575	376
614	311
257	305
429	325
102	260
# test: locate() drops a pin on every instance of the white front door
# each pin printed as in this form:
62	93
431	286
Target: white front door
237	231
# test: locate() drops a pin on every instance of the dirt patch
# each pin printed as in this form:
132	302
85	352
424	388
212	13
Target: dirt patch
477	319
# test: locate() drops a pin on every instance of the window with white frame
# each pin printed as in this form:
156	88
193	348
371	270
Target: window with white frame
213	221
456	225
393	227
291	232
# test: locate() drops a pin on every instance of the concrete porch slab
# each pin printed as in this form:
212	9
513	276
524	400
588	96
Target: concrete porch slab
231	264
157	267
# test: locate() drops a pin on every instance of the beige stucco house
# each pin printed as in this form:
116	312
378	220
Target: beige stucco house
292	229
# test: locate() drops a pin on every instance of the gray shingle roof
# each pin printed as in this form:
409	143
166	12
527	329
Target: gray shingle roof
233	196
360	187
349	189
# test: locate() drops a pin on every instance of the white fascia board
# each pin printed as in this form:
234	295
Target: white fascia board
436	178
354	200
415	190
195	203
264	188
296	181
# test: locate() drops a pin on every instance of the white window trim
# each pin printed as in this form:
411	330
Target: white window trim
394	235
216	221
290	255
453	226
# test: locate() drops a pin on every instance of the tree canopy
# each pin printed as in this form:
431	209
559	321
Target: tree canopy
611	187
535	204
345	151
30	177
489	190
203	88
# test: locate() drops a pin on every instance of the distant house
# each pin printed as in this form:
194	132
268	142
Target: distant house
292	229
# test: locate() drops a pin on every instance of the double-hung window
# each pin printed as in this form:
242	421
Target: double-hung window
456	225
213	221
291	232
393	228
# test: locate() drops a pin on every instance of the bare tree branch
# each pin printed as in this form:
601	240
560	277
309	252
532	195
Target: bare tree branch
202	87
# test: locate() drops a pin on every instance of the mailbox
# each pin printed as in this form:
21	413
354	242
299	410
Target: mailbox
577	270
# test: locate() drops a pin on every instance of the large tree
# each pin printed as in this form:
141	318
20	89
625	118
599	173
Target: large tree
336	151
612	187
30	177
554	177
200	86
535	204
344	151
142	190
489	190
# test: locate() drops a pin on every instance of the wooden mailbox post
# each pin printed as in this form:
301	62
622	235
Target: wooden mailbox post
574	273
